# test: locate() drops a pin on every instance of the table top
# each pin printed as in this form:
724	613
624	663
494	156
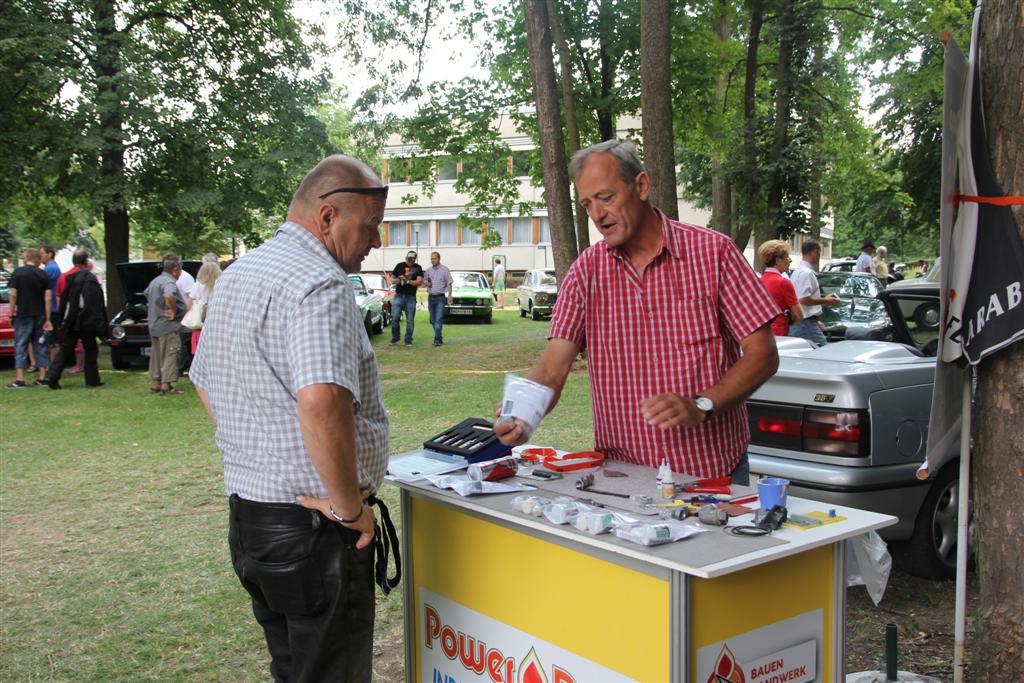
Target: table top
707	555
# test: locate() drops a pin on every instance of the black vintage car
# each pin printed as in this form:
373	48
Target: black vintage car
128	332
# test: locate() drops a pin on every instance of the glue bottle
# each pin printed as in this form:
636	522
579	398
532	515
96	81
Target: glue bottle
668	485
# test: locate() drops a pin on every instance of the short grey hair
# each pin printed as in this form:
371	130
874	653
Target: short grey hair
171	262
624	153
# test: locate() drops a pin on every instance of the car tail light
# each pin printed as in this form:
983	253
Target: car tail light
844	433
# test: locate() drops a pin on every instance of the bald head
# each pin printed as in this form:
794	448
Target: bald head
336	171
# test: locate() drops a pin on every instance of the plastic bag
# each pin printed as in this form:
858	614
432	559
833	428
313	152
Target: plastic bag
525	402
868	564
667	531
464	486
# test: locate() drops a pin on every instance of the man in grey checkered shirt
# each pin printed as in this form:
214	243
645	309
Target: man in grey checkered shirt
289	379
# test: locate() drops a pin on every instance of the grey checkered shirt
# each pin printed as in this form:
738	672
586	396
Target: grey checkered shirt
281	318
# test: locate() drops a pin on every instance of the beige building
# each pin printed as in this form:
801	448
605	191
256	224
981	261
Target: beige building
430	223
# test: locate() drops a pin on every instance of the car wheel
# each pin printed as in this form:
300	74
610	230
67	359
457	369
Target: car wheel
931	551
927	316
522	311
368	324
487	319
534	315
379	327
118	361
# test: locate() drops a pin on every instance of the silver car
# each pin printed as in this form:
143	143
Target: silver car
537	293
847	424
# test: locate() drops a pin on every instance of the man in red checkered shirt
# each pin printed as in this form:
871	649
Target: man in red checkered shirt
675	323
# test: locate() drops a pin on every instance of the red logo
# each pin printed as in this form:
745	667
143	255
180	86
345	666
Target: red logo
474	655
727	669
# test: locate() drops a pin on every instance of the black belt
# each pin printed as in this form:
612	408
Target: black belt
288	513
811	317
441	294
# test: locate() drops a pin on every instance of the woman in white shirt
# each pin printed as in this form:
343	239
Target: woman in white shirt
203	289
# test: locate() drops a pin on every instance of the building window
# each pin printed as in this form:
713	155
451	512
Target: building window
398	235
447	232
521	162
522	230
448	169
545	231
470	236
499	226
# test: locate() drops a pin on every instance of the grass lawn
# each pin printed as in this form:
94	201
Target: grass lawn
113	552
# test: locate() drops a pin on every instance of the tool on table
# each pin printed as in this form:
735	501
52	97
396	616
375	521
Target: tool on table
541	473
494	470
766	520
614	473
713	515
586	482
712	485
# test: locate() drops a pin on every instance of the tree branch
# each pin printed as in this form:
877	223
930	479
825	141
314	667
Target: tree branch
156	14
419	49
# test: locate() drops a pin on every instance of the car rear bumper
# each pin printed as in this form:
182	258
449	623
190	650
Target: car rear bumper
889	489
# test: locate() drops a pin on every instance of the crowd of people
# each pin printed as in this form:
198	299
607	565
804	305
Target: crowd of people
56	318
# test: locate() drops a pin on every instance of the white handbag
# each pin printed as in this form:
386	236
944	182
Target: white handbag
193	320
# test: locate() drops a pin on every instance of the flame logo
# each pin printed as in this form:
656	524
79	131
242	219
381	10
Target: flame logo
530	669
727	669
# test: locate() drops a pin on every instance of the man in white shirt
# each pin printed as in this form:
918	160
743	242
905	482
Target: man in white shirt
185	284
808	293
866	264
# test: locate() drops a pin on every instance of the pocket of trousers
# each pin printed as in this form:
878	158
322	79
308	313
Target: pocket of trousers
291	583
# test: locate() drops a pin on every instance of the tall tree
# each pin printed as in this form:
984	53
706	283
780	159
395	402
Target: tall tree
656	102
552	144
169	115
572	124
999	429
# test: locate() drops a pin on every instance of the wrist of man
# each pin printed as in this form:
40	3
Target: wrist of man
343	519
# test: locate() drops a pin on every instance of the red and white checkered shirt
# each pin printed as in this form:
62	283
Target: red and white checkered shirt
675	330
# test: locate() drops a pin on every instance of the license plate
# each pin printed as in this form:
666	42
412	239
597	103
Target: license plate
145	350
6	342
461	311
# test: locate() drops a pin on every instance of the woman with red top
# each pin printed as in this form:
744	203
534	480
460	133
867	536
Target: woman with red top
774	254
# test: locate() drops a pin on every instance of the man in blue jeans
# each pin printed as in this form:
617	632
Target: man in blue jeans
439	291
407	275
30	302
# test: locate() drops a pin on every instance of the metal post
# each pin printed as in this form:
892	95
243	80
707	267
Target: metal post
891	657
962	550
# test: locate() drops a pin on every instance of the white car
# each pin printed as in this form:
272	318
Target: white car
925	314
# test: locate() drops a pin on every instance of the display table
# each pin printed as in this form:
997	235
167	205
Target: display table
492	594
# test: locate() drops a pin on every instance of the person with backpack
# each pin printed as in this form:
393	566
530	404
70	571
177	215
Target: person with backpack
83	313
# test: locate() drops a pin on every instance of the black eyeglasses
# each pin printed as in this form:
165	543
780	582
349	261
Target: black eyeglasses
383	191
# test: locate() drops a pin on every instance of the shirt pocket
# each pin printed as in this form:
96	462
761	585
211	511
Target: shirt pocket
697	320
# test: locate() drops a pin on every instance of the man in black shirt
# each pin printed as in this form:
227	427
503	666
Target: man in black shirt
30	303
407	275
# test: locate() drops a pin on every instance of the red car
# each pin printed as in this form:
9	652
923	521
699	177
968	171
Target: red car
6	329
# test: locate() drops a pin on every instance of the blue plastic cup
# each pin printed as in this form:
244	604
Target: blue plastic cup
772	491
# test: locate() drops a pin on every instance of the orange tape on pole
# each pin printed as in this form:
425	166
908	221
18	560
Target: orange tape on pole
998	201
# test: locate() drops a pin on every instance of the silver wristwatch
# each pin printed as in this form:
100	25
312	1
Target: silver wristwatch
705	405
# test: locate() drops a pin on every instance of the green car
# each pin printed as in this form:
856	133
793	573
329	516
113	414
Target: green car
472	297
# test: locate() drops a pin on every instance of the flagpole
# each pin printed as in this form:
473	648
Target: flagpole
962	547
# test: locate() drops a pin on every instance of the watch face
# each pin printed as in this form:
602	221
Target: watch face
705	404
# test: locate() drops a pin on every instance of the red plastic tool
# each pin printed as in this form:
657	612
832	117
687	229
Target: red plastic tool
712	485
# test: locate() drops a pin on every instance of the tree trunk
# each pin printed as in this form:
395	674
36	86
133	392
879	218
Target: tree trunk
750	191
721	191
769	230
107	66
656	103
552	144
571	122
605	120
998	463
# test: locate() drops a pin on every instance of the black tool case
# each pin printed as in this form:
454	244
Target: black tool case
472	439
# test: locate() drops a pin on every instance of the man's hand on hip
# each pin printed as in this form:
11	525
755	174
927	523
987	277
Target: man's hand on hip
364	525
668	410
